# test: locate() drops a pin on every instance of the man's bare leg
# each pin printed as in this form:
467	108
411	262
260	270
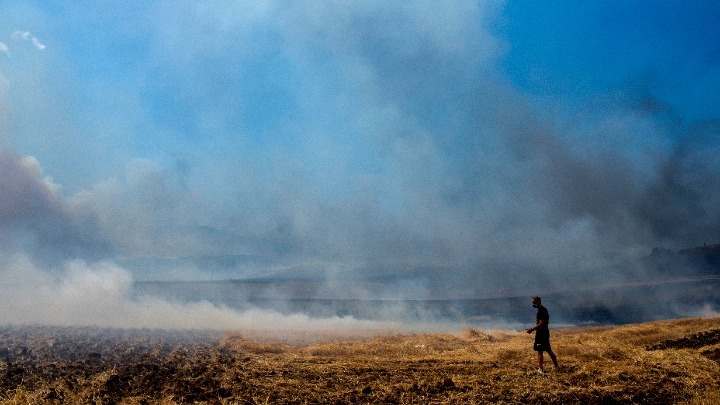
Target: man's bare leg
540	361
554	359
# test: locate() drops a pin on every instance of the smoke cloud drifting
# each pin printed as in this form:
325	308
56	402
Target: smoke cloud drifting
420	151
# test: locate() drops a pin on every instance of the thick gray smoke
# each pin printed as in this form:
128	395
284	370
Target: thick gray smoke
35	218
369	150
40	283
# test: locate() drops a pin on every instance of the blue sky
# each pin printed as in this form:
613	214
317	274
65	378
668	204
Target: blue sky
667	49
507	143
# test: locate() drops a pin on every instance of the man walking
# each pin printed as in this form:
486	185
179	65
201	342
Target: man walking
542	334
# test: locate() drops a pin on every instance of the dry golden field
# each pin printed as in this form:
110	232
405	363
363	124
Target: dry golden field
674	361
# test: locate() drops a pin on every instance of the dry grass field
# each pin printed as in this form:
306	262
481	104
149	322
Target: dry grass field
675	361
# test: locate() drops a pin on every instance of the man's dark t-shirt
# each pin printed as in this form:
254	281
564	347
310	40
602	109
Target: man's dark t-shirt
542	333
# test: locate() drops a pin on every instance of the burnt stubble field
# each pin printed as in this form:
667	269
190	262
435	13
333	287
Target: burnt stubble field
675	361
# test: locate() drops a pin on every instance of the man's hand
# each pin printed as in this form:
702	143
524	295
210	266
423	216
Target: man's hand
529	330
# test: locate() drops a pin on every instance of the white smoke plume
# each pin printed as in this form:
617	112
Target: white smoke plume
83	294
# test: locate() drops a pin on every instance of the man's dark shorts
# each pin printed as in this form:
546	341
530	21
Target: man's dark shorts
542	342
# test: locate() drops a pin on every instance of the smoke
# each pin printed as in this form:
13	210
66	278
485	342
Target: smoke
35	218
707	312
380	151
101	295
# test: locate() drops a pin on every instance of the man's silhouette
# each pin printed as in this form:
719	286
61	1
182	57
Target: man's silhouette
542	334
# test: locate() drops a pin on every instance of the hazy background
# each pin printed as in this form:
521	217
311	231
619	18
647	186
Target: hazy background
372	150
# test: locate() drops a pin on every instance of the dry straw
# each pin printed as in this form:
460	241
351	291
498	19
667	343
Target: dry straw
662	362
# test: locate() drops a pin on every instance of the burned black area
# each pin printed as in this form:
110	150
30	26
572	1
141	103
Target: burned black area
102	345
694	341
124	363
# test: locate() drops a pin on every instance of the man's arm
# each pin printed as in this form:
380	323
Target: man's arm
540	323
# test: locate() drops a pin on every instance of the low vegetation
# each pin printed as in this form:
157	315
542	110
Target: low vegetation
675	361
